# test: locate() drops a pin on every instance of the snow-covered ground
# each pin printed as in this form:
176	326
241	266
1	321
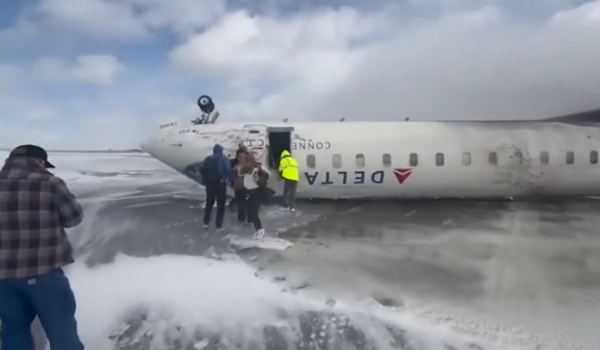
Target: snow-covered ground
188	297
92	171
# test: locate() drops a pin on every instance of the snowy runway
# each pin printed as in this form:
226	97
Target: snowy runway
444	270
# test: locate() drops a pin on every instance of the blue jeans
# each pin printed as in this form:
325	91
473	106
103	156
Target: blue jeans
49	297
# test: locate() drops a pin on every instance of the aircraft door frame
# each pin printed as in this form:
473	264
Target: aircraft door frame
273	148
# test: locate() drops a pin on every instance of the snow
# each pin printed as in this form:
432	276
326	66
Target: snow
84	172
216	296
265	243
225	297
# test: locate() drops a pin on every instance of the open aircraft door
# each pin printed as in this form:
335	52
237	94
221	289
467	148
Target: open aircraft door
254	137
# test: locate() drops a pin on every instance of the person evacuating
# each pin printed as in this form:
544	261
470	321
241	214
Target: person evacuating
216	174
255	177
235	161
35	209
289	172
238	187
236	165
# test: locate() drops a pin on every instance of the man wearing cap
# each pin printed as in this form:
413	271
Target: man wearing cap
35	209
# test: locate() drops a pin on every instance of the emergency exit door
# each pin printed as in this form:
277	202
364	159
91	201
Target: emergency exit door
254	137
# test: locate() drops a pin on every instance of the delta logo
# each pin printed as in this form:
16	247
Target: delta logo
402	174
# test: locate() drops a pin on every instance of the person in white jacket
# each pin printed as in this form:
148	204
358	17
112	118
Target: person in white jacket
255	177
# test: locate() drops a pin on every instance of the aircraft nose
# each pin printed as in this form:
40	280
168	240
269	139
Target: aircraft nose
146	146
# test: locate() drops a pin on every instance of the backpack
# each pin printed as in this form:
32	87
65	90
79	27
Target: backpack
210	171
263	178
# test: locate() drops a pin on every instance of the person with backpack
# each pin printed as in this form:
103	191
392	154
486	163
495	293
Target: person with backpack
216	174
255	179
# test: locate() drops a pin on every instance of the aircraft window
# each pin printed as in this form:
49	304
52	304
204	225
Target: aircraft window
387	160
593	157
311	161
439	159
518	156
493	158
337	161
413	159
544	157
570	157
360	160
466	159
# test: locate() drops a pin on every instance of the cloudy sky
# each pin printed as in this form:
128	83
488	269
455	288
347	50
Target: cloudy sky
103	73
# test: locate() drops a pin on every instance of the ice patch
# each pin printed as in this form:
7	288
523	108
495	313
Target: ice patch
264	243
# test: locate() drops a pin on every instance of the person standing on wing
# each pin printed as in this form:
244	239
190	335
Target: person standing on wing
216	174
289	172
255	177
35	209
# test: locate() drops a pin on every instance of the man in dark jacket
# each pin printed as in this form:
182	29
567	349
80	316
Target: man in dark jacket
216	174
35	209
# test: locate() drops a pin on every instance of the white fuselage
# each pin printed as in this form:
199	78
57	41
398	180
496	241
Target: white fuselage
410	159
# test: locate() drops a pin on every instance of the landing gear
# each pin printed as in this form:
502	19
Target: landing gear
207	106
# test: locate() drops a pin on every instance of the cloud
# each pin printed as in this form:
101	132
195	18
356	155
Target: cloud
119	21
91	16
179	16
381	60
277	48
94	69
476	64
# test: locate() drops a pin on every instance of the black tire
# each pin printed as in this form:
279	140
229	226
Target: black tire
206	104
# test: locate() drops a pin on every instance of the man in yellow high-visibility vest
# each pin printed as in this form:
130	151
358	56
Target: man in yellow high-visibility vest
289	172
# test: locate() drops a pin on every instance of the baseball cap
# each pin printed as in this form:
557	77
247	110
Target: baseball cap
32	151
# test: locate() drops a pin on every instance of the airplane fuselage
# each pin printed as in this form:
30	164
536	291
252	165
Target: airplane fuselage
409	160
